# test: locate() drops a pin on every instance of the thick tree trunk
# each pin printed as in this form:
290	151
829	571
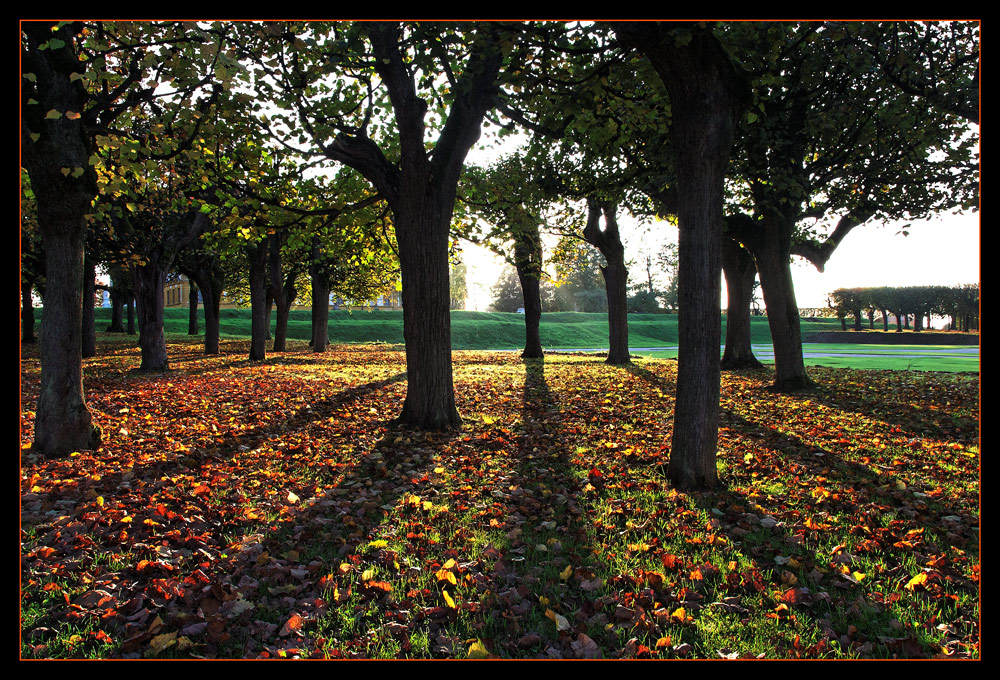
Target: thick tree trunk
88	342
706	97
615	274
320	301
740	271
49	146
422	234
528	262
616	282
772	252
147	281
257	256
63	422
117	324
283	293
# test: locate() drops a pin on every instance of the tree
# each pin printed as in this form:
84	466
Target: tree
509	198
457	289
706	94
407	67
811	160
740	270
78	80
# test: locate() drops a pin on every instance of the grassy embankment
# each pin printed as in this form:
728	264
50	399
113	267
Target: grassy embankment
571	330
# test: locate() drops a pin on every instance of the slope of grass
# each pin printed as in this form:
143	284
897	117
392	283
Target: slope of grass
472	330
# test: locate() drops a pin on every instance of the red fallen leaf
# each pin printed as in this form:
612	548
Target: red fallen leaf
791	596
378	587
670	561
201	490
292	625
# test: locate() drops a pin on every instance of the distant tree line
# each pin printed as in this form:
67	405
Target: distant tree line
959	303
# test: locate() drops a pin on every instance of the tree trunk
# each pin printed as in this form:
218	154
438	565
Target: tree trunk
616	282
257	256
320	301
130	309
88	343
422	235
615	274
528	262
740	271
63	422
117	324
283	293
706	97
772	253
147	281
49	146
27	315
193	311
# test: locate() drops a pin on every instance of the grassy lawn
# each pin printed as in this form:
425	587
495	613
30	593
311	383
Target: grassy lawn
567	330
272	510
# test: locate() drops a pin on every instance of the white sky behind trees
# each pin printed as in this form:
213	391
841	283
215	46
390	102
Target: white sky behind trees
942	251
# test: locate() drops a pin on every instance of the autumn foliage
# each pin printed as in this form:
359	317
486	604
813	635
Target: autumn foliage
271	509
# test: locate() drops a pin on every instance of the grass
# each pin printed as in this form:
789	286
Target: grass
570	330
272	510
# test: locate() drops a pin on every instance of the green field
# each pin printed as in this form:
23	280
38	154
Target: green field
573	330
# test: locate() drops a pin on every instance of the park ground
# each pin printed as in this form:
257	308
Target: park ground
272	510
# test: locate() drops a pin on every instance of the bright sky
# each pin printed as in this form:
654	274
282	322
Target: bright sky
941	251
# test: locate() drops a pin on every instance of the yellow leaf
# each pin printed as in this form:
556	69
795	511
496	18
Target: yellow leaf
447	600
918	580
561	622
445	575
566	573
292	498
450	564
367	574
161	642
478	651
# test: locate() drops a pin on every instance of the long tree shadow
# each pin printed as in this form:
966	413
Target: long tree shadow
784	502
207	505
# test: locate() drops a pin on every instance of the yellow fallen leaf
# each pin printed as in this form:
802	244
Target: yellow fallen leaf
561	622
478	650
448	601
161	642
445	575
566	573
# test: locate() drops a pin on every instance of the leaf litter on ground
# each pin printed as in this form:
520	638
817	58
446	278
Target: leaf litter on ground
273	510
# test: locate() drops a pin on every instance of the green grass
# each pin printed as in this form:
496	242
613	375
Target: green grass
565	330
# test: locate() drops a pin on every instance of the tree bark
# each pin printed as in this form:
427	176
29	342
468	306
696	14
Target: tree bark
423	256
193	311
27	316
528	262
88	337
706	97
772	253
740	271
257	257
283	293
615	274
320	301
63	423
420	190
147	281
